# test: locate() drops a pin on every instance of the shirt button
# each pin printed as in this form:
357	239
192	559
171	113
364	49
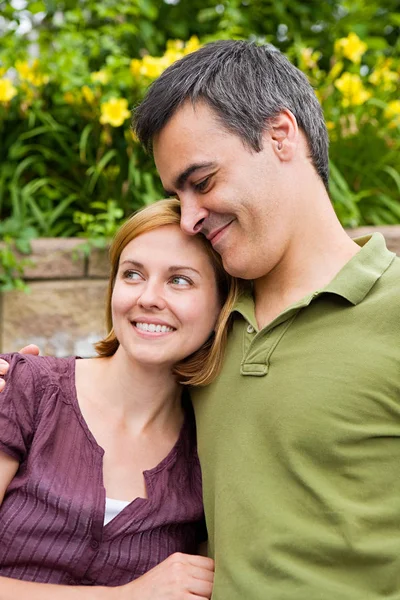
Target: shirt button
250	329
94	544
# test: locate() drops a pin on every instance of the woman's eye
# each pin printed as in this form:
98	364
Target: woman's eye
132	275
180	280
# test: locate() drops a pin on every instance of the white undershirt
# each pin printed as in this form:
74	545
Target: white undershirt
113	508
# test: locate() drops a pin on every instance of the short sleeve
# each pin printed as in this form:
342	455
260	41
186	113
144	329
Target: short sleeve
18	403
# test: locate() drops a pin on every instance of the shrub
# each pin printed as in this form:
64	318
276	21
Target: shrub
70	164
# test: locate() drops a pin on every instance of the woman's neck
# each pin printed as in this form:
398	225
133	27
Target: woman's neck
139	396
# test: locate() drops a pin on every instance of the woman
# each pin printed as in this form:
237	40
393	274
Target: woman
99	475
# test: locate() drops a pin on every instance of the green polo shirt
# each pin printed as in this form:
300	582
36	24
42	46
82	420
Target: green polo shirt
299	443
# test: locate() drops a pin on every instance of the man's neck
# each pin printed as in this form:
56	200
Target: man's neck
309	264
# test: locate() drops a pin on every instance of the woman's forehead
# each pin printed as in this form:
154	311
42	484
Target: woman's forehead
167	244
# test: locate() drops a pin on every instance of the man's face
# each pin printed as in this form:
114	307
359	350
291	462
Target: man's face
230	193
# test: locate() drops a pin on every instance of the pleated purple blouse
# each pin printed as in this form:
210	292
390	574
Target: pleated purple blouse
51	519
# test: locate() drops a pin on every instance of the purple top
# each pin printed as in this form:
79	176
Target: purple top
51	519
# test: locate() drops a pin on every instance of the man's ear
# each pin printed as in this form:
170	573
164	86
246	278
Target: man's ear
283	134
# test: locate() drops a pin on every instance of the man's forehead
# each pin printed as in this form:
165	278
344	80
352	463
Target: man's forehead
198	117
178	152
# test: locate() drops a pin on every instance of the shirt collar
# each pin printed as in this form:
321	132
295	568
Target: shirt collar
363	270
353	282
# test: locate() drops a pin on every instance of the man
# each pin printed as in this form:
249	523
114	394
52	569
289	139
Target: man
299	437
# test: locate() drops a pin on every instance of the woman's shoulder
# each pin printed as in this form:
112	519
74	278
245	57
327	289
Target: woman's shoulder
42	370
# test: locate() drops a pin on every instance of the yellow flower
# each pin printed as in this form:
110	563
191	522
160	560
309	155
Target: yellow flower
351	47
176	45
192	45
7	90
335	70
23	69
2	71
114	112
330	125
392	113
383	76
319	95
170	57
88	94
100	77
31	73
135	67
152	66
309	58
74	97
69	98
39	80
28	96
352	89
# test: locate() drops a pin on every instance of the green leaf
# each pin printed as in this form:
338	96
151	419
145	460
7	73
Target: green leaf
99	168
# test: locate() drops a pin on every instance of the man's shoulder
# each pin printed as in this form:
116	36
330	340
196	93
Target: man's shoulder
389	282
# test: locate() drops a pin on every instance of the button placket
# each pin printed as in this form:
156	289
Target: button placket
94	544
257	353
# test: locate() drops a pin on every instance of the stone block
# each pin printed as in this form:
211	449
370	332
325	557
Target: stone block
98	263
55	258
62	317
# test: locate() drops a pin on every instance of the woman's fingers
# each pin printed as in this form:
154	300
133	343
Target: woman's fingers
201	573
200	587
200	561
30	349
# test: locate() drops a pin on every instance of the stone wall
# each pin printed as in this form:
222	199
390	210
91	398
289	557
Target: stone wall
63	313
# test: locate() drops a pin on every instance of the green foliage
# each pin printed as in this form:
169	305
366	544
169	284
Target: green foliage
100	225
69	164
14	238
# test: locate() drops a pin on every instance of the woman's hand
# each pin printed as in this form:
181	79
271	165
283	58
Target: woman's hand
179	577
30	349
3	370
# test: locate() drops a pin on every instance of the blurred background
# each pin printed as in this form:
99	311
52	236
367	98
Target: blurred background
72	70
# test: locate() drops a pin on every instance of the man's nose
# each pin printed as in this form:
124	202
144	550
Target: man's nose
152	295
192	216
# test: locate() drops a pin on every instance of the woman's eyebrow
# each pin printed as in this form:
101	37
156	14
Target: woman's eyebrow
170	269
132	262
183	268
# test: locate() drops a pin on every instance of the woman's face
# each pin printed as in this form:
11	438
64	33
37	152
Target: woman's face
165	299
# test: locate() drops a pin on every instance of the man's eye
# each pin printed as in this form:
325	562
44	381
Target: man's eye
202	185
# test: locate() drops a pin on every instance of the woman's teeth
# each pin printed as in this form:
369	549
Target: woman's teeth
153	328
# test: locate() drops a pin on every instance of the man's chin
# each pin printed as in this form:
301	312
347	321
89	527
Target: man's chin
233	267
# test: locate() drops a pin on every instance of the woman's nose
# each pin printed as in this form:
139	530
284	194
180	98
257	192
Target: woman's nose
152	296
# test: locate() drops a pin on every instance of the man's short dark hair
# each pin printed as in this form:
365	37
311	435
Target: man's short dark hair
246	85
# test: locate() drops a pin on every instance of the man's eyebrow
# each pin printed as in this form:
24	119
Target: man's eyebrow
183	177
